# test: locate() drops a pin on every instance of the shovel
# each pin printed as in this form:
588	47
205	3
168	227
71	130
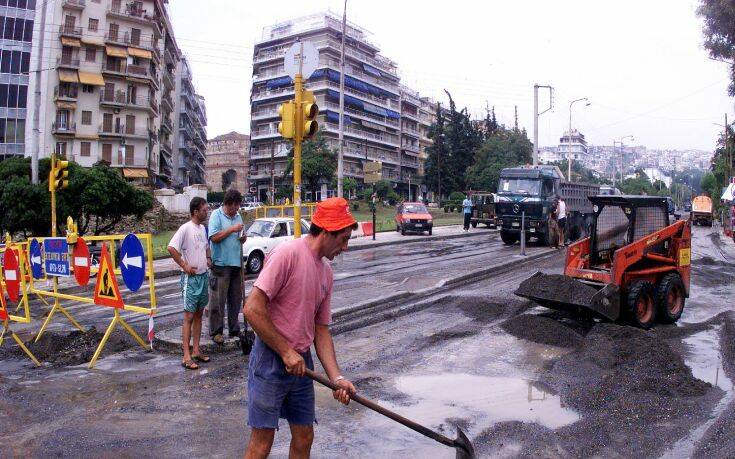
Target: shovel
462	444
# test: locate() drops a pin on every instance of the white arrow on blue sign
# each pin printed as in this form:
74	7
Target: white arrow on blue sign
36	264
132	267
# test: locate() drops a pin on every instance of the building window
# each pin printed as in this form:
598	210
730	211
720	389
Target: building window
86	118
114	28
107	152
61	149
135	37
90	55
129	155
86	149
130	124
88	88
93	23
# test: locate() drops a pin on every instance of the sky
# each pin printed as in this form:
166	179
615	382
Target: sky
641	64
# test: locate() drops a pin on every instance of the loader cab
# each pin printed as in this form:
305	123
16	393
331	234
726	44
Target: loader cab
620	220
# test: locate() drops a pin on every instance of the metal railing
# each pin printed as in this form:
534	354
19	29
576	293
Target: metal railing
68	92
115	129
63	127
67	61
75	3
113	97
307	210
130	11
70	30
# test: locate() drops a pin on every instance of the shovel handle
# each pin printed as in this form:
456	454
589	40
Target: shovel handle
384	411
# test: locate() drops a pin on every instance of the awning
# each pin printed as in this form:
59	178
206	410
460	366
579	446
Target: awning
333	117
94	79
137	52
372	70
66	105
278	82
116	51
93	41
87	137
135	173
729	194
68	76
68	41
138	80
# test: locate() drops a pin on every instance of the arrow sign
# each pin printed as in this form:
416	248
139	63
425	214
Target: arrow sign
132	261
34	250
131	268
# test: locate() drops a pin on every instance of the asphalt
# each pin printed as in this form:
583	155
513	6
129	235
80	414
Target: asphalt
520	380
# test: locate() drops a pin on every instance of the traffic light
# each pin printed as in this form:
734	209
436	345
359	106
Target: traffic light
59	176
287	112
309	110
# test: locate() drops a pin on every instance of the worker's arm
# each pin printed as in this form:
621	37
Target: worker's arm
325	351
180	261
222	235
257	315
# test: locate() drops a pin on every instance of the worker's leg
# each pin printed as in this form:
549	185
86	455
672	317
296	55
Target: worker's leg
302	436
261	441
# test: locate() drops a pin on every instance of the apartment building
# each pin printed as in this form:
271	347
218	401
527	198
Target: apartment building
573	144
16	34
106	89
382	119
227	162
190	135
427	117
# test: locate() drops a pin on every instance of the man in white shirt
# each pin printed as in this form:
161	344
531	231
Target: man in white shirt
190	250
562	219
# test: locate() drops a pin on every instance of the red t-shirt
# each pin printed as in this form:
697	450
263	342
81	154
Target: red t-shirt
298	284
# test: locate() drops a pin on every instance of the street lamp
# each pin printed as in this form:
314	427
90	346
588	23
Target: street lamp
727	149
632	139
569	155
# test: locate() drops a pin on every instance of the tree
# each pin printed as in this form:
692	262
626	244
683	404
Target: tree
97	198
318	163
581	173
349	186
710	187
228	178
719	33
506	148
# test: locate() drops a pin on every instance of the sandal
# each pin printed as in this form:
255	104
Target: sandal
201	358
219	339
190	365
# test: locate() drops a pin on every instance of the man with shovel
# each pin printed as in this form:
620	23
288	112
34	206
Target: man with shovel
289	309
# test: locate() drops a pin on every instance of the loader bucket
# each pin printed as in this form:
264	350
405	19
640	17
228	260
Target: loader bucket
565	293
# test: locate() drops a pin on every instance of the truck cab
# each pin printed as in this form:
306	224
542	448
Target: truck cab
526	192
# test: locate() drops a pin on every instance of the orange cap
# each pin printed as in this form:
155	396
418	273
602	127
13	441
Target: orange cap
333	214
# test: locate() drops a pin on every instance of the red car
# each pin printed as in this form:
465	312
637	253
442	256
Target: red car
413	216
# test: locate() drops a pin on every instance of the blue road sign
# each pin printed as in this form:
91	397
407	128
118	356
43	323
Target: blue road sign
132	266
56	256
36	259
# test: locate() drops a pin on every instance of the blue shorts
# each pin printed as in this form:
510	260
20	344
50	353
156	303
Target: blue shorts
274	393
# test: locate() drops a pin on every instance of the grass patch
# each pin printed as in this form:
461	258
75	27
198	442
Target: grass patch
160	243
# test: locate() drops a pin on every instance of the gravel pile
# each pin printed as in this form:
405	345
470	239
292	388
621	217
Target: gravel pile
543	330
74	348
556	287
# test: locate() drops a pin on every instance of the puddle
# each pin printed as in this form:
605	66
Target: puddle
705	360
491	399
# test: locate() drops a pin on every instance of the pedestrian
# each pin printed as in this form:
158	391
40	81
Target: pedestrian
289	310
467	210
190	250
562	220
554	223
225	284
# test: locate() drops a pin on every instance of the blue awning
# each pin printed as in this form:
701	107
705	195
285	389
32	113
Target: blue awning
372	70
375	109
279	82
354	83
333	117
392	114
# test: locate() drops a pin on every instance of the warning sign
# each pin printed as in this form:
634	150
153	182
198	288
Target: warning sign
107	292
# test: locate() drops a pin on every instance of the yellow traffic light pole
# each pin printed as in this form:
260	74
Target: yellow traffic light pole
299	134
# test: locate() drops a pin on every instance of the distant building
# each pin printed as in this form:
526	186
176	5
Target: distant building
572	144
190	133
548	155
227	162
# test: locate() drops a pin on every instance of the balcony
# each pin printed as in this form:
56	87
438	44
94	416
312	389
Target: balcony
168	79
74	4
384	138
168	58
69	93
132	13
264	133
364	115
117	68
138	71
113	98
153	106
411	148
70	31
63	128
111	130
67	62
167	102
166	123
166	146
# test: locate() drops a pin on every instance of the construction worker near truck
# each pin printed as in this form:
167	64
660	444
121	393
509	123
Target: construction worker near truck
289	310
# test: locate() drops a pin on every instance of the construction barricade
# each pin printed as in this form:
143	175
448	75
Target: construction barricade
307	210
128	256
14	276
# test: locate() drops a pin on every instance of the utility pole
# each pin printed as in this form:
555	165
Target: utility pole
273	171
35	143
515	126
569	149
340	161
536	114
728	155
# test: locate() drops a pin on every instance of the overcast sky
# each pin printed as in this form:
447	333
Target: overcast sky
641	63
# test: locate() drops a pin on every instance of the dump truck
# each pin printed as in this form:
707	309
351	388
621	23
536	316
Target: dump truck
530	191
483	208
702	211
634	267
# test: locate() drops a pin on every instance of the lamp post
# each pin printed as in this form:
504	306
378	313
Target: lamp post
727	147
569	150
621	156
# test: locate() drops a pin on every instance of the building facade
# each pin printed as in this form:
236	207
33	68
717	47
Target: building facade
573	145
227	162
190	134
17	19
381	121
107	88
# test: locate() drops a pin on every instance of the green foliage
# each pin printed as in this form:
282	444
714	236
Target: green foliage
318	164
215	196
719	34
709	186
349	186
506	148
97	198
384	190
581	173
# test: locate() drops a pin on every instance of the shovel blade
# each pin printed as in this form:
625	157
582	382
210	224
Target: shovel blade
464	447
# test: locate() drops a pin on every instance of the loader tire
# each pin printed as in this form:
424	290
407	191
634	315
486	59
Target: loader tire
642	304
670	298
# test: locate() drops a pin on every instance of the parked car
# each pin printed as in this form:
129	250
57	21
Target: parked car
264	235
414	217
672	209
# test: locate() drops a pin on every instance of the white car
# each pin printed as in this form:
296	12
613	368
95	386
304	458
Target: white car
264	235
249	206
